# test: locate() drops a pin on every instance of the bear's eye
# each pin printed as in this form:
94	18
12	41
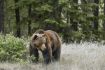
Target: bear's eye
35	37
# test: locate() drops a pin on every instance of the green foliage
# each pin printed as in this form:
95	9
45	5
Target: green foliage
77	36
44	7
51	21
60	16
12	48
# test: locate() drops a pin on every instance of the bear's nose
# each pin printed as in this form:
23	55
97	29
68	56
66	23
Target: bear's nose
35	45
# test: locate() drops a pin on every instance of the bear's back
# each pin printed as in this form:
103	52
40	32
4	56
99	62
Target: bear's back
54	37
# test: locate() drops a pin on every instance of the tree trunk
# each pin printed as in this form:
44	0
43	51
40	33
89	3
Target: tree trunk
17	13
74	25
57	9
96	12
104	19
29	20
1	16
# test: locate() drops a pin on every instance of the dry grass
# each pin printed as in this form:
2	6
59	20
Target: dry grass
84	56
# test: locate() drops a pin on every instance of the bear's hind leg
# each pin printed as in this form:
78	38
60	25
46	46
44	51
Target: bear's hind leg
56	54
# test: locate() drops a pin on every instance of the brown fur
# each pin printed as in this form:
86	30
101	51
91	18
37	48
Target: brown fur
48	42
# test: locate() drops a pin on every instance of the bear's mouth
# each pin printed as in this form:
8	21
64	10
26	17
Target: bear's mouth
41	47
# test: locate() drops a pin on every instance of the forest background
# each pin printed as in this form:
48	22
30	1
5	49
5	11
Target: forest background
74	20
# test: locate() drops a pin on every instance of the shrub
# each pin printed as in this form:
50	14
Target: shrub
12	48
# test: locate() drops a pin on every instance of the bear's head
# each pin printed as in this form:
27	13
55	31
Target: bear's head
38	41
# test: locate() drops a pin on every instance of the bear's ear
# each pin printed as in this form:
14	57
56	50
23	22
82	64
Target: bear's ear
35	36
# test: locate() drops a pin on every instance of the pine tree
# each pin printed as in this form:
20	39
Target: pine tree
29	19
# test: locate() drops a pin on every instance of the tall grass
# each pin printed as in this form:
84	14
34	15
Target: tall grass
83	56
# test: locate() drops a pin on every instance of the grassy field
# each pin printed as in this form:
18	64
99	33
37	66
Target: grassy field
83	56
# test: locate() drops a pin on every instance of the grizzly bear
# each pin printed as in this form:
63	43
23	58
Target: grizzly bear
48	42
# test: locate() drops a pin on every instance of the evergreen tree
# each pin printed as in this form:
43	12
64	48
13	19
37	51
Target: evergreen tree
29	19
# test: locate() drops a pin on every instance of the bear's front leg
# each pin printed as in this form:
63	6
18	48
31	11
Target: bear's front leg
34	52
47	55
36	55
